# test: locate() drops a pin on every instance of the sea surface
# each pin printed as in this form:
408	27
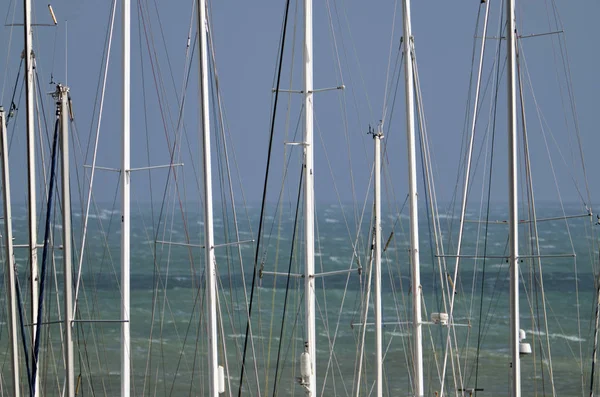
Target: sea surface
168	302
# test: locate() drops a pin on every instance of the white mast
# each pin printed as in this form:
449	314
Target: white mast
378	136
62	93
211	277
10	259
513	200
125	215
29	91
412	198
309	204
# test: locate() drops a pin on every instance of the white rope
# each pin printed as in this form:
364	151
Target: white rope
452	293
485	150
89	197
436	224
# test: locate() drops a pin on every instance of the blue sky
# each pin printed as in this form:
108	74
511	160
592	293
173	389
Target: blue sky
246	37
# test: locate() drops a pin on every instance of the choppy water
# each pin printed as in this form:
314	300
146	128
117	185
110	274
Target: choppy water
168	325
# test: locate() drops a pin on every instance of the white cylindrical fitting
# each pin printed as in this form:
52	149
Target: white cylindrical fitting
221	374
305	368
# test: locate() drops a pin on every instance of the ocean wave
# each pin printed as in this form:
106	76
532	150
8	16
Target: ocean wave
399	334
571	338
446	216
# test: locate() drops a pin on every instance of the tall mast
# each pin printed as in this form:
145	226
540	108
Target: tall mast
412	198
209	250
29	91
10	258
512	199
62	93
378	136
309	202
125	215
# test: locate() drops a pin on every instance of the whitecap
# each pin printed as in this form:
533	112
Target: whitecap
571	338
399	334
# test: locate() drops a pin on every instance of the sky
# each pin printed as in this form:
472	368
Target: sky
353	42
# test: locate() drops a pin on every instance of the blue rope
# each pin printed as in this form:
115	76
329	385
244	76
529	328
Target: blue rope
36	347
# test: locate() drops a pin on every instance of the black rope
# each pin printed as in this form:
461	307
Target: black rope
595	339
487	219
36	346
13	105
264	194
287	285
23	334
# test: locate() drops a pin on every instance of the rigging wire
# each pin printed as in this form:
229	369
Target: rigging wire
174	149
568	77
13	106
439	300
36	347
389	63
465	138
595	338
9	44
533	227
467	151
287	286
89	196
23	334
264	194
487	216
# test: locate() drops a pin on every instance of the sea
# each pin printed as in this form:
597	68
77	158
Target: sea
168	320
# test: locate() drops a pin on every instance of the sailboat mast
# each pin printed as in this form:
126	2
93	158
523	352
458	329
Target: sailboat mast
10	259
125	215
62	93
211	277
512	199
412	199
378	136
309	200
31	190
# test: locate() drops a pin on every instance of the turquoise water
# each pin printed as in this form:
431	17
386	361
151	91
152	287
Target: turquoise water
168	326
